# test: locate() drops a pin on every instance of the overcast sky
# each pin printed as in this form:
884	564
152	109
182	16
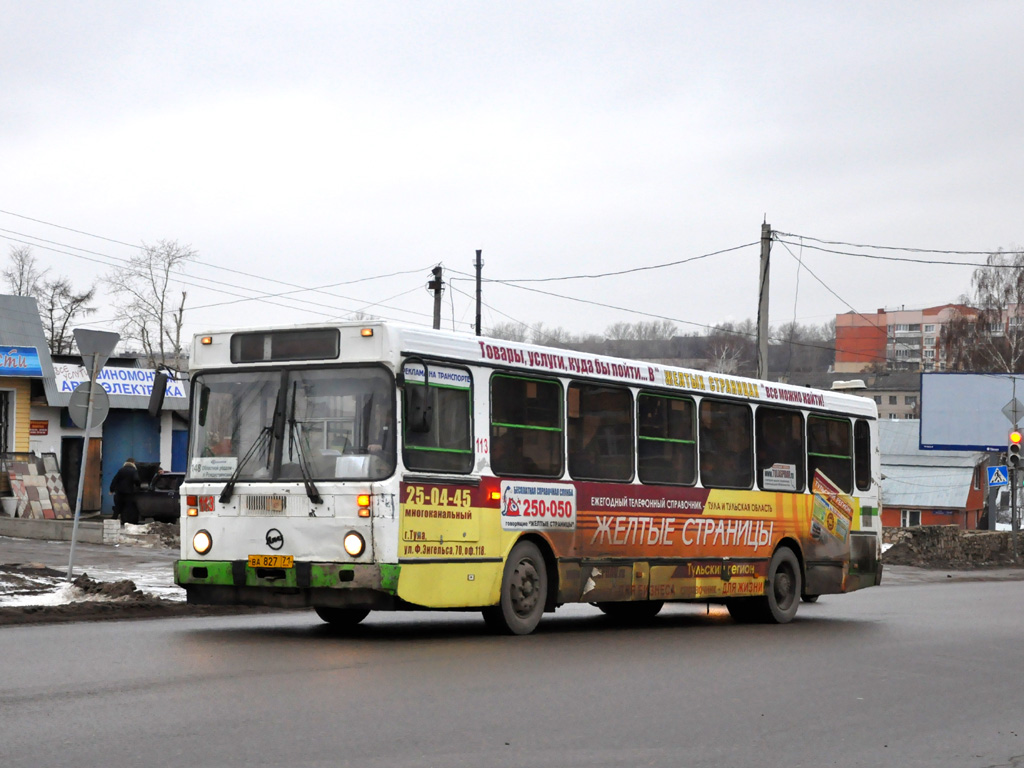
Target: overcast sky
310	144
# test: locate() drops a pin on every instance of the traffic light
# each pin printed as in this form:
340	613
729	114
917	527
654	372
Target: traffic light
1013	449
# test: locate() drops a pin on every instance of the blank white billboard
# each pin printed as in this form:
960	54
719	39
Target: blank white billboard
964	411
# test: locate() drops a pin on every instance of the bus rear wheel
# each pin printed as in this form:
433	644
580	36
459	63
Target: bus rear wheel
524	590
782	593
342	617
631	612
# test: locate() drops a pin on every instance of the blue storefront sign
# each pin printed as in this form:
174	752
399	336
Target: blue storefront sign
20	361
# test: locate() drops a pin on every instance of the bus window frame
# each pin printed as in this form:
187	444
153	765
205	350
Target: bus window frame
862	466
714	454
417	450
801	467
497	443
286	369
694	459
845	487
589	453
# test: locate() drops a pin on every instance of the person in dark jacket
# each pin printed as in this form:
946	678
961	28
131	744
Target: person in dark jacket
123	486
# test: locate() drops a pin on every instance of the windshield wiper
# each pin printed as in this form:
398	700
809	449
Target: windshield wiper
274	430
295	441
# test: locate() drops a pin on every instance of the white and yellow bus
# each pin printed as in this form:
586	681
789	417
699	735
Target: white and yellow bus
358	467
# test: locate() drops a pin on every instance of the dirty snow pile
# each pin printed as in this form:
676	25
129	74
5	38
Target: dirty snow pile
37	585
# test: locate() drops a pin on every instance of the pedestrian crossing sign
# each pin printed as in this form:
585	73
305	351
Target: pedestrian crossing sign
997	476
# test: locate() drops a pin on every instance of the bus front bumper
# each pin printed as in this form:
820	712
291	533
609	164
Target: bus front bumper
306	585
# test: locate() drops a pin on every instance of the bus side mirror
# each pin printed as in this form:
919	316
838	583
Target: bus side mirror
204	404
418	411
156	396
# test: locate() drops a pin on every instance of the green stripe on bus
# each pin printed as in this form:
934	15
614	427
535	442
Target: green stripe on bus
322	575
667	440
439	386
524	426
829	455
437	450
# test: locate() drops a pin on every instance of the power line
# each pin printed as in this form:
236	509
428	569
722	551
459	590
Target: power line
534	330
878	257
111	259
661	317
887	247
623	271
118	262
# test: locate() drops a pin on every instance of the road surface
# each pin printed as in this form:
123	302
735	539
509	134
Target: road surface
918	672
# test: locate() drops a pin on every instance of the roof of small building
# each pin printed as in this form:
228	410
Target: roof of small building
922	479
909	381
21	327
135	377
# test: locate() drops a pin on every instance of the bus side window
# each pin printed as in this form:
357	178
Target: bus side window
666	443
862	454
441	438
726	443
780	449
526	426
829	450
600	432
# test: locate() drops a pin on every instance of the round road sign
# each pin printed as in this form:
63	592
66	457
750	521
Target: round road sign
78	407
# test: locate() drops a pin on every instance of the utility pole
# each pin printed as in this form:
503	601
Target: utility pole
436	285
762	302
479	270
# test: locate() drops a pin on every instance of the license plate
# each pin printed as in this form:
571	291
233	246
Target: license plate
271	561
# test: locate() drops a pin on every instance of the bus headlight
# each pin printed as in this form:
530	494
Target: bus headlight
202	542
354	544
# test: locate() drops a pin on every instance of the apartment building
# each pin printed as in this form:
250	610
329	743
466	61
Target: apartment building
896	339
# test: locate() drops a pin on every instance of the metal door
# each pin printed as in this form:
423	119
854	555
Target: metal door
127	433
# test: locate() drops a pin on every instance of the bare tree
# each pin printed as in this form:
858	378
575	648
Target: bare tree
731	347
987	334
551	337
59	305
23	276
149	311
510	331
651	330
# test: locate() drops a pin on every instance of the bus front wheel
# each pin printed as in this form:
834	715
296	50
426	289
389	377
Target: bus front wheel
524	589
342	617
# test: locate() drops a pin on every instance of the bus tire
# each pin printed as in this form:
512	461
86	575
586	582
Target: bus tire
782	593
784	586
810	598
342	617
524	589
631	612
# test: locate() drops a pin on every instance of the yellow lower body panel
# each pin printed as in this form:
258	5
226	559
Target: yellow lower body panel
450	585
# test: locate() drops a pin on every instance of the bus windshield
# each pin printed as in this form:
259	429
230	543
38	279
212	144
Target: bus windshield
324	423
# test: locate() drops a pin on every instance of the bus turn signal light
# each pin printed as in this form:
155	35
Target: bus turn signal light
363	500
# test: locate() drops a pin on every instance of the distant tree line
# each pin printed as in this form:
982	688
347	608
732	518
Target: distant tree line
724	348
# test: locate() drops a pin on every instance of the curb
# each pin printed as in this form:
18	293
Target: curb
89	531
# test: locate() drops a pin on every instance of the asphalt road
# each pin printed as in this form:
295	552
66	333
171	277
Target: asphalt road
918	672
